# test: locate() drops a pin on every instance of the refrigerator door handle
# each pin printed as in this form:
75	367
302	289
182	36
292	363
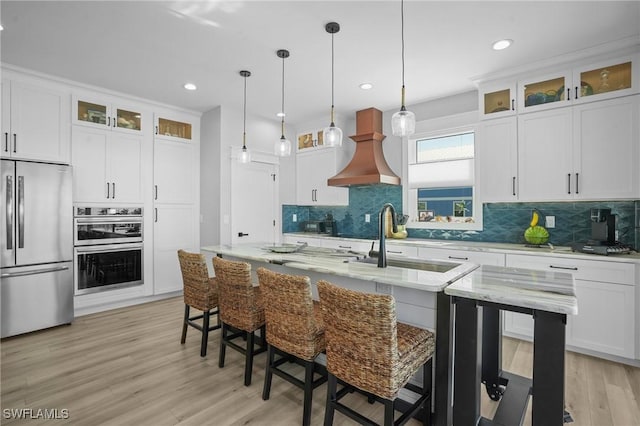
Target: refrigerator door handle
34	272
20	211
9	213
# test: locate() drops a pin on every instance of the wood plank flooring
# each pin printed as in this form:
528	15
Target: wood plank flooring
127	367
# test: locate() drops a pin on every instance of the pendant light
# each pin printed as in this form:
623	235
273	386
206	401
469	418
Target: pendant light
245	154
282	147
332	134
403	122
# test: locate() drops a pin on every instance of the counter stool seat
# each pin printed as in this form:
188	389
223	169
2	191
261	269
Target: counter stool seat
241	312
367	349
200	292
295	331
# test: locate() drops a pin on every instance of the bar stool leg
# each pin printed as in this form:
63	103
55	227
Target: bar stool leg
185	323
388	412
223	345
268	374
248	367
308	393
332	385
205	333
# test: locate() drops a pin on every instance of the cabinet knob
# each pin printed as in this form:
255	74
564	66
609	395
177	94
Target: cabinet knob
6	141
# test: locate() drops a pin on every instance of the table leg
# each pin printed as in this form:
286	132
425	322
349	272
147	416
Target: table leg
492	353
548	368
466	380
443	412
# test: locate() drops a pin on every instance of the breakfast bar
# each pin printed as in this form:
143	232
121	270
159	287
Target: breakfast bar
417	285
549	297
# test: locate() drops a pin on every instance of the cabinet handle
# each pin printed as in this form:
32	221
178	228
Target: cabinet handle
108	121
568	94
156	211
577	187
574	268
568	183
458	258
513	104
394	252
576	92
156	196
345	247
6	142
513	186
114	122
108	196
156	130
15	142
113	186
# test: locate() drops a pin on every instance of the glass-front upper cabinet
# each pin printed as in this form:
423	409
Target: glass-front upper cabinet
89	111
497	100
173	128
608	79
545	92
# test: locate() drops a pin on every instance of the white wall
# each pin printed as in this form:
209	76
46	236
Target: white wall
210	177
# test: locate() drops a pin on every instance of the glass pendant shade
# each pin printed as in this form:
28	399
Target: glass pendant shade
403	123
332	136
283	147
244	156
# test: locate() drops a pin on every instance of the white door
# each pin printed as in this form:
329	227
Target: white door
89	147
173	172
254	201
125	168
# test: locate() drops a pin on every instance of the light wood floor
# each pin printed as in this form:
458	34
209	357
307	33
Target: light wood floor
127	367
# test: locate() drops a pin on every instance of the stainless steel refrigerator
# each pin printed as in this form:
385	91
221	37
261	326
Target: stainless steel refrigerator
36	279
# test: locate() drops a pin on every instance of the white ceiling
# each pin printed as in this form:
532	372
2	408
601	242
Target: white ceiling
151	48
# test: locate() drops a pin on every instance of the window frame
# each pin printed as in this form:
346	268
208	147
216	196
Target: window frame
440	127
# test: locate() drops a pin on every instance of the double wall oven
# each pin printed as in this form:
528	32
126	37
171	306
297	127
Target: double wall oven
108	248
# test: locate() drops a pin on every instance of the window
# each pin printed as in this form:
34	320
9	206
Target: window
441	176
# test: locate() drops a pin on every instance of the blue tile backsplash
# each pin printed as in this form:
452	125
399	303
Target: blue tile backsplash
503	222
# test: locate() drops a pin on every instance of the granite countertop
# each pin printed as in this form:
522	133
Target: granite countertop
324	262
489	247
542	290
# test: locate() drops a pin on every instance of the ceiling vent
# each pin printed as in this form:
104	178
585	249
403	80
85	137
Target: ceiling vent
368	165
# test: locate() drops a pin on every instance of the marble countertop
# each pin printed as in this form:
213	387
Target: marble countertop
335	265
542	290
489	247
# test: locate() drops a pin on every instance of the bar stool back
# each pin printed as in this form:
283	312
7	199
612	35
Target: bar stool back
294	330
369	350
241	311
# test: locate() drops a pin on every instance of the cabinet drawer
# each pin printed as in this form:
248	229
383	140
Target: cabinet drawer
588	270
358	246
401	250
479	257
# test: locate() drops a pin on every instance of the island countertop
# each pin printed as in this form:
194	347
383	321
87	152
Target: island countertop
541	290
324	262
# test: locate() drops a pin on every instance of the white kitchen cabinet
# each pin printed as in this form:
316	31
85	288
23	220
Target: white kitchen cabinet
312	171
606	292
606	152
347	245
545	162
497	156
175	126
606	79
107	166
104	112
175	227
174	172
546	91
497	99
398	249
453	255
35	121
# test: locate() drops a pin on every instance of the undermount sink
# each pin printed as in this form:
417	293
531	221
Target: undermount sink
422	265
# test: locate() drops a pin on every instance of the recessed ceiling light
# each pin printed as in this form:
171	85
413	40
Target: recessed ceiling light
1	28
502	44
366	86
281	114
190	86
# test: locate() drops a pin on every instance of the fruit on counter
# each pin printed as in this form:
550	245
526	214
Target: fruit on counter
534	219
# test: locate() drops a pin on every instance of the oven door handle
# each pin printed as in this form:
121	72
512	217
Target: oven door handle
108	247
94	220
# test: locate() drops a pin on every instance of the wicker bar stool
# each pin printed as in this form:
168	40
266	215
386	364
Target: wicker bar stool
295	332
200	292
241	312
369	350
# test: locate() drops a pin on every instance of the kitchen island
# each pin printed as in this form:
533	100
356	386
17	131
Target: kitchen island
418	288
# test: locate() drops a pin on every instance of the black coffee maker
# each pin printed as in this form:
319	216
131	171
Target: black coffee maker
603	227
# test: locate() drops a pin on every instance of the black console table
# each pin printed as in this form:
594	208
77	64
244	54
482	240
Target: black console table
478	299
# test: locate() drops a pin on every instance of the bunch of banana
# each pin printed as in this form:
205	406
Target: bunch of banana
536	234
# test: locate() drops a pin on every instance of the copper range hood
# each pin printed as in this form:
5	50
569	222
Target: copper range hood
368	165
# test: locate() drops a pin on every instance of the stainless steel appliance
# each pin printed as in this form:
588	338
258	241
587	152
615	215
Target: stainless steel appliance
108	251
36	279
603	235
